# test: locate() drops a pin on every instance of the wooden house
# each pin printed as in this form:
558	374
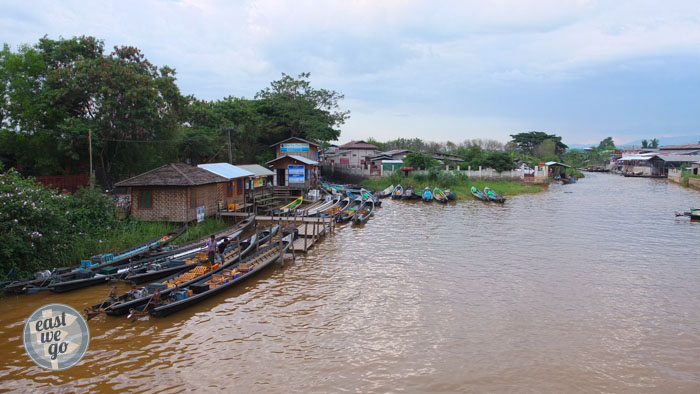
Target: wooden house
261	176
233	191
298	147
296	163
294	171
173	193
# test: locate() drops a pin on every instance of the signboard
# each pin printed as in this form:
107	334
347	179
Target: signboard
259	182
295	174
200	214
294	148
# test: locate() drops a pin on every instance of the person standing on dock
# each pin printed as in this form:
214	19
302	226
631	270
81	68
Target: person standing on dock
211	249
222	249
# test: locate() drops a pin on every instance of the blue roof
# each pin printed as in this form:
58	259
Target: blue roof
226	170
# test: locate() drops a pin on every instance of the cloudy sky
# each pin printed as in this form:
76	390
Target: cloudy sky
437	70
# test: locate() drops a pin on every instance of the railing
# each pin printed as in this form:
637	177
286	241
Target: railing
71	183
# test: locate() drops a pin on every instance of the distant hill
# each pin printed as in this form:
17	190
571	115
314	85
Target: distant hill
681	140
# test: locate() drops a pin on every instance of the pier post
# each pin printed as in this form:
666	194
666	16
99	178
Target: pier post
306	234
238	242
257	240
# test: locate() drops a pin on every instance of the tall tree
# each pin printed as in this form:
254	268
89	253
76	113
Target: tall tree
607	143
654	143
645	144
304	111
528	141
131	107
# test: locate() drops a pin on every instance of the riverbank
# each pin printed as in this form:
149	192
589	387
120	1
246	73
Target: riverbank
462	187
123	234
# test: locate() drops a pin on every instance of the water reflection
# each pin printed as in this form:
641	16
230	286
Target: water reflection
586	287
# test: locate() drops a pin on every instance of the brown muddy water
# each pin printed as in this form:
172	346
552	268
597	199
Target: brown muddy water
590	287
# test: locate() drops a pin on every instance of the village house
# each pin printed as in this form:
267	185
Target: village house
174	192
354	154
294	171
232	193
296	163
262	177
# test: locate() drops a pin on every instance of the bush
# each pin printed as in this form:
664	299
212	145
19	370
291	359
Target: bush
39	226
34	223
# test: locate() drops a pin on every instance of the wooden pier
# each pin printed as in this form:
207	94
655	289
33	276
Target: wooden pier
310	229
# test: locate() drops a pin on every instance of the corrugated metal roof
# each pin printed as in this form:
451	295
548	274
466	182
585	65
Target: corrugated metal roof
680	158
303	159
296	138
675	147
226	170
635	158
256	169
297	158
555	163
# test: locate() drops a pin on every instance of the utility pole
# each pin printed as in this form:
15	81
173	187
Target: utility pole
91	180
230	153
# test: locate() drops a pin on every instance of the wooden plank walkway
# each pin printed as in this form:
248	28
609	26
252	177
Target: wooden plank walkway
290	219
298	244
308	230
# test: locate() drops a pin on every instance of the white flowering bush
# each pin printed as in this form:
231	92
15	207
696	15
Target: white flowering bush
41	228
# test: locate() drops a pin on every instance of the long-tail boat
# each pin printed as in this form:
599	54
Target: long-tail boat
87	268
365	211
139	296
219	280
439	195
493	196
478	194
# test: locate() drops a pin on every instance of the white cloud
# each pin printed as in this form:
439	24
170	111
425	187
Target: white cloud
394	56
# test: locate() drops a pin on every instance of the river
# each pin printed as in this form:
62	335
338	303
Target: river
589	287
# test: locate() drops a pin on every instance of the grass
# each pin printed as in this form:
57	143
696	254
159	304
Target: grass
459	184
130	233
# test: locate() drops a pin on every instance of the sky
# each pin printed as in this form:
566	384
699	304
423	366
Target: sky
436	70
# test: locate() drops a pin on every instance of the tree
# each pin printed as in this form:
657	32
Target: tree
473	156
654	143
607	143
645	144
60	90
302	110
499	161
528	141
417	160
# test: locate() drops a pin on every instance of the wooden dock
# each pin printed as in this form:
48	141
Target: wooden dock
302	245
310	229
285	219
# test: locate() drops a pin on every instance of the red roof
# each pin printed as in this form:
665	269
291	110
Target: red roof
357	145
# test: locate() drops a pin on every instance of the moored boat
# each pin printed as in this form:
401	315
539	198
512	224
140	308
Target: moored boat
349	211
219	281
439	195
326	205
365	211
151	269
291	206
478	194
139	296
427	195
43	279
398	192
366	194
493	196
386	192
